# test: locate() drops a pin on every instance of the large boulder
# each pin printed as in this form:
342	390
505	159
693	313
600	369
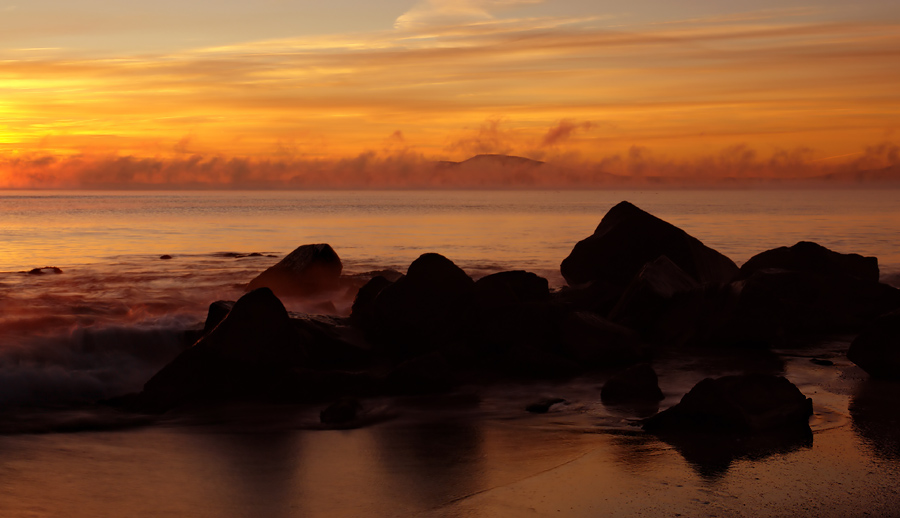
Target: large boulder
628	238
808	288
511	309
308	270
249	354
744	404
591	340
814	258
650	294
877	349
423	309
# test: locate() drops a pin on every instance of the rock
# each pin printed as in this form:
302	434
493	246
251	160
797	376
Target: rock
308	270
511	309
45	270
424	308
748	404
877	349
341	412
650	293
775	303
637	384
427	374
543	406
628	238
217	312
821	361
362	313
249	354
592	340
813	258
165	257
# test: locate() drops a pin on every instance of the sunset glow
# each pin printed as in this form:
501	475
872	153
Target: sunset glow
639	90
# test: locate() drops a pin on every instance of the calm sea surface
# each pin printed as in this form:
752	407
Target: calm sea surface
113	318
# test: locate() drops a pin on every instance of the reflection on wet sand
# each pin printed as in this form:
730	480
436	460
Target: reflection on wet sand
876	420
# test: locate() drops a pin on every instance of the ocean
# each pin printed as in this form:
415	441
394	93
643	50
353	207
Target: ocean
116	313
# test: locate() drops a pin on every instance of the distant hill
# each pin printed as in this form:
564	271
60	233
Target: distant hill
491	161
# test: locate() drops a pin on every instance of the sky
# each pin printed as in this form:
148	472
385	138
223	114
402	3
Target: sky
346	93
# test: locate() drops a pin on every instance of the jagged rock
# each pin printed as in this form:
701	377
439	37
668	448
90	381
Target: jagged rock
308	270
590	339
628	238
636	384
877	349
362	313
217	312
543	406
249	354
750	404
341	412
650	294
424	308
811	257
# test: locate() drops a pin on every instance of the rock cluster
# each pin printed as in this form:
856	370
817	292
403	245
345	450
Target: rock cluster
638	285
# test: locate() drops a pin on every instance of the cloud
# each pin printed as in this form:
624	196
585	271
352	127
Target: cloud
563	131
401	167
454	12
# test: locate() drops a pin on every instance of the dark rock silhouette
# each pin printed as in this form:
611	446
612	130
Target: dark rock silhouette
873	409
427	374
543	406
781	302
308	270
590	339
511	310
423	309
636	384
748	404
250	354
217	312
628	238
877	349
165	257
650	294
811	257
45	270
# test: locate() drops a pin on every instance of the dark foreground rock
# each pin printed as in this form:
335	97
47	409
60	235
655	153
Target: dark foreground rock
341	412
635	385
877	349
308	270
810	257
251	353
543	406
421	310
628	238
745	404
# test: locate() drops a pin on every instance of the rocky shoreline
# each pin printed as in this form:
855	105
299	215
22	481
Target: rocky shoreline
639	288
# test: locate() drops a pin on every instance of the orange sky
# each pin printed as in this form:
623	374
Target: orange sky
754	92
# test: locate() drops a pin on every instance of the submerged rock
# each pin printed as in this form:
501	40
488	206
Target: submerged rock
308	270
628	238
877	349
748	404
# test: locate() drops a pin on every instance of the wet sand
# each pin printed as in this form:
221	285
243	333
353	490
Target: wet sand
477	453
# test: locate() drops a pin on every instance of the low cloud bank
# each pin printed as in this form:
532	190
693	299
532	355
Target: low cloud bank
639	166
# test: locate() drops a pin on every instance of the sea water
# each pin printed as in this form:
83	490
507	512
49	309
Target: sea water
115	316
